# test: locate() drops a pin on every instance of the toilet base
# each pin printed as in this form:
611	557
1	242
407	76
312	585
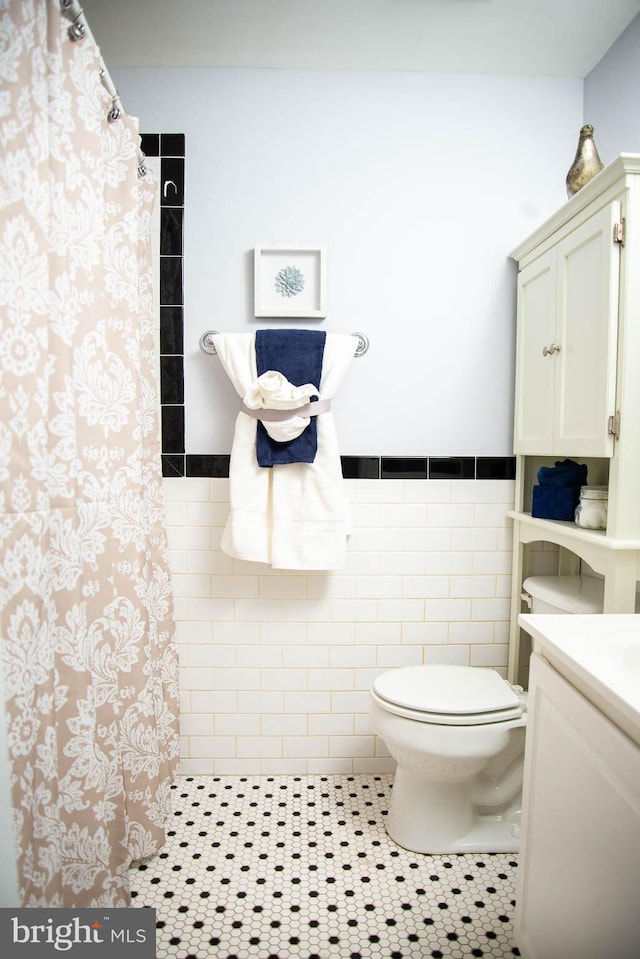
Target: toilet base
487	834
440	818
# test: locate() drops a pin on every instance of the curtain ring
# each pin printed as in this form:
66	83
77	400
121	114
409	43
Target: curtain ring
143	169
115	112
73	11
78	30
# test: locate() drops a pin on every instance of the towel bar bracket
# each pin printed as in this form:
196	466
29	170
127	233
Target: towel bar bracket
206	342
363	344
208	346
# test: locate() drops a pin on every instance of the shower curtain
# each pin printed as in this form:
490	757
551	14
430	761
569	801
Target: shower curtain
87	644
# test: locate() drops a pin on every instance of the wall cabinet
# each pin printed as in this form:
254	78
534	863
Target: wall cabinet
567	338
577	391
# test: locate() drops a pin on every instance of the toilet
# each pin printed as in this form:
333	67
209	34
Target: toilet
457	735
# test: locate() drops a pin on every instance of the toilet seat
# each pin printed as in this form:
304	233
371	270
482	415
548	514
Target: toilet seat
448	695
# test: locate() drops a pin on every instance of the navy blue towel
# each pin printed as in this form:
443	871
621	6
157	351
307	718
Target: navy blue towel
297	354
564	473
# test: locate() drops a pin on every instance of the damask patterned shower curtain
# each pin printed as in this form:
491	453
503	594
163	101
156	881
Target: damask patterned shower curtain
88	658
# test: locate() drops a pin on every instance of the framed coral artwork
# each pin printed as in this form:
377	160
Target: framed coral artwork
290	281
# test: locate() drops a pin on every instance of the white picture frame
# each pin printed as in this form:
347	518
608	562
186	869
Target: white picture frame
290	281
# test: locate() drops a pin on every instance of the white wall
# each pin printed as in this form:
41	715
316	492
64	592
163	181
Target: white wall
611	97
418	184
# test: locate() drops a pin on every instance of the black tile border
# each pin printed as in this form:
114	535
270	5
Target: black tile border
171	331
170	147
173	429
171	285
496	467
398	467
171	232
150	144
452	467
172	180
173	464
171	380
360	467
216	466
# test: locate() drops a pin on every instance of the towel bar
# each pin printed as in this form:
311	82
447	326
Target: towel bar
207	345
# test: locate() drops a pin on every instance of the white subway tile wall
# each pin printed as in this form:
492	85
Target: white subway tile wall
276	666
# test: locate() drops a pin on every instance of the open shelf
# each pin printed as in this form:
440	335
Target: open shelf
563	531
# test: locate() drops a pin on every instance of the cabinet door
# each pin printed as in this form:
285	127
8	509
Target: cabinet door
535	372
578	880
586	331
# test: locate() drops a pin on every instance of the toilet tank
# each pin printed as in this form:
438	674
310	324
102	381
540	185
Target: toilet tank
567	594
564	594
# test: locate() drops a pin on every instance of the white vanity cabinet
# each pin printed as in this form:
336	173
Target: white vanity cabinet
577	387
579	877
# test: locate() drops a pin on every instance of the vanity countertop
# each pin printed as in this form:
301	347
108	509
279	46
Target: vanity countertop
599	655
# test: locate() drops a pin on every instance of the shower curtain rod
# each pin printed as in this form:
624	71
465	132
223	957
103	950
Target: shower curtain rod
80	29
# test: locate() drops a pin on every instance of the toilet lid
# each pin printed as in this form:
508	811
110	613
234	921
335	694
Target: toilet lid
452	690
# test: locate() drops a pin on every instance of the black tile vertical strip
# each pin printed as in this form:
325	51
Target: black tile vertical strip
171	330
171	380
172	181
173	428
170	147
171	281
171	231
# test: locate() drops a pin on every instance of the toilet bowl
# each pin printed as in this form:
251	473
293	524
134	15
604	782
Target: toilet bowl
457	735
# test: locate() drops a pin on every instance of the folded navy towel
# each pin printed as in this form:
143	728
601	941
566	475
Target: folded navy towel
297	354
564	473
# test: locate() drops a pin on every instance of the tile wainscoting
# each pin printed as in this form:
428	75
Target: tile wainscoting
275	666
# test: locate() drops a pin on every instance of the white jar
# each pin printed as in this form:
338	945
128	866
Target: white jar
591	511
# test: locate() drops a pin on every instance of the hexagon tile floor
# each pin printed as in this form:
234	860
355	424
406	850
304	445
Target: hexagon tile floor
300	867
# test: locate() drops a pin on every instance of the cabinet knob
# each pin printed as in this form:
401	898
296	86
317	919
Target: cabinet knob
549	350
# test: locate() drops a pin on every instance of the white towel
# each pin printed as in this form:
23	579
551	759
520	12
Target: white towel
293	516
273	391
